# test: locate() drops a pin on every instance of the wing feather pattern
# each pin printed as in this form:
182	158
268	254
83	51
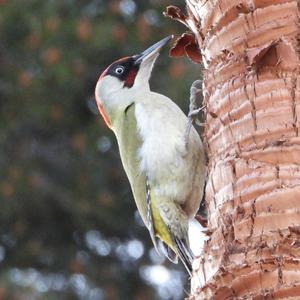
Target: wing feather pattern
150	218
129	145
147	203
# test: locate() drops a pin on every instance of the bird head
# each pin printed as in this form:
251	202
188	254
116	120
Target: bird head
124	80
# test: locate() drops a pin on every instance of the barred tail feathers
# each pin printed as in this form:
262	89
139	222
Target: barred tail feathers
171	226
185	254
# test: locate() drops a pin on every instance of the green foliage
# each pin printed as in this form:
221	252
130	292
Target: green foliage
69	228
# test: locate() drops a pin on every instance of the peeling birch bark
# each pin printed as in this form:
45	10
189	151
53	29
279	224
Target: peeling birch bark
251	85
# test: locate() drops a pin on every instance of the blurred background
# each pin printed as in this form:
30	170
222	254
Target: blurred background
69	228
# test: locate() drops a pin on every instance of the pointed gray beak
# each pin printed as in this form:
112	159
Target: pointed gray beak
149	52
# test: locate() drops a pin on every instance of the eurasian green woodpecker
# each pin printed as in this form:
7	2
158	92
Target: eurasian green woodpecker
165	167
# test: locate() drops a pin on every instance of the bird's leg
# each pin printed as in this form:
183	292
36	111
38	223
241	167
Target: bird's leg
194	109
192	114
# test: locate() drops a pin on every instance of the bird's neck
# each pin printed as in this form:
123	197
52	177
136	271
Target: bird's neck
122	99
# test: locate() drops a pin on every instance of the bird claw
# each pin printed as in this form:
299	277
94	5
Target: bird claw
195	112
197	84
200	124
194	109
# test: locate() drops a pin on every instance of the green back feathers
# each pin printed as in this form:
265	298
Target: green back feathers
129	140
129	144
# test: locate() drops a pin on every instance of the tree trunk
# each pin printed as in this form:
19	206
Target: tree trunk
251	88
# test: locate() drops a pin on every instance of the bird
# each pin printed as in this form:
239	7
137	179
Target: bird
165	166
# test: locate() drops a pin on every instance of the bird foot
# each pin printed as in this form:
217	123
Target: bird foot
194	109
193	113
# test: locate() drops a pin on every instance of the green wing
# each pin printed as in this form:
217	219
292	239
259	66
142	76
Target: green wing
129	144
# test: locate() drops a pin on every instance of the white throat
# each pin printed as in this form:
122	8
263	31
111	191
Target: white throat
115	98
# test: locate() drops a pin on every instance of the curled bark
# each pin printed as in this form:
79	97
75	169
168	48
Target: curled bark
186	46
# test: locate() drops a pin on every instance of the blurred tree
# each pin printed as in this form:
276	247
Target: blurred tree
69	227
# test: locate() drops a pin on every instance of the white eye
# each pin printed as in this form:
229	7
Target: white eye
119	70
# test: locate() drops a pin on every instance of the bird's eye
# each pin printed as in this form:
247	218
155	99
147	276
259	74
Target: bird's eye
119	70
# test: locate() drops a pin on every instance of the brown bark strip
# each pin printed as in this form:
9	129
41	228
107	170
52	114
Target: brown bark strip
250	51
186	45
